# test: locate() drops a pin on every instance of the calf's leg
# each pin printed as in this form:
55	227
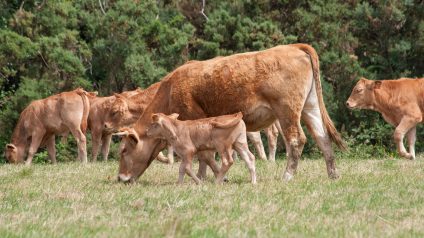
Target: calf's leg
226	162
36	139
51	148
106	139
187	165
82	144
96	140
255	138
406	124
207	158
412	136
243	150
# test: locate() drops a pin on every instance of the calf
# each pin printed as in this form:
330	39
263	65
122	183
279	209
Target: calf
223	134
42	119
401	102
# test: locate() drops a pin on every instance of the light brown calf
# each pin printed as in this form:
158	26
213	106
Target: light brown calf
222	134
42	119
401	102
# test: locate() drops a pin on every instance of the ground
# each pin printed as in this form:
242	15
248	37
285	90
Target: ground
373	198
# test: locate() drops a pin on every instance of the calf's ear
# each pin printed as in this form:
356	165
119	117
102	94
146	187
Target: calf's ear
155	117
377	84
10	147
174	116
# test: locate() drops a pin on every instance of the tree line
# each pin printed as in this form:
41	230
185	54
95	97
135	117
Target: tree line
47	47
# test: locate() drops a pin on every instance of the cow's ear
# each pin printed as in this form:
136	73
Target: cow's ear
174	116
133	138
155	117
377	84
118	96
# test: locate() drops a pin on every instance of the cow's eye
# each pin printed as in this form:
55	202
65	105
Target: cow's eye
358	90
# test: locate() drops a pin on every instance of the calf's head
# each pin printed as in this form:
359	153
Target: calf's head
136	153
162	127
117	114
13	154
363	94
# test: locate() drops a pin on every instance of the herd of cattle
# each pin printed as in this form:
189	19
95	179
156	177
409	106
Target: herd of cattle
203	107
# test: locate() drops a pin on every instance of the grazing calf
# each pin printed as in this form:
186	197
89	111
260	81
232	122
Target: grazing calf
401	102
223	134
42	119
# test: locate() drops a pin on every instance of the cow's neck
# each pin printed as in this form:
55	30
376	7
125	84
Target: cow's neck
381	104
19	138
159	103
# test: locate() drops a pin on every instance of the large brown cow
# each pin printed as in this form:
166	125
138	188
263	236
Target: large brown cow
42	119
279	83
401	102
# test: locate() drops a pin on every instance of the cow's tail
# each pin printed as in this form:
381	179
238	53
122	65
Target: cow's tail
86	109
229	123
331	129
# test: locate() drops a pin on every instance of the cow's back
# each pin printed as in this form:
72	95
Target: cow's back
240	82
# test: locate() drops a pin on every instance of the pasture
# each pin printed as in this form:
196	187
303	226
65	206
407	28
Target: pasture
373	198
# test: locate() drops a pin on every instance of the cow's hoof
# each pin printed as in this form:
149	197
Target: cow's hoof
225	179
287	176
334	175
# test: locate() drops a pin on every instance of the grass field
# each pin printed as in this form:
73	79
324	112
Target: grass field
373	198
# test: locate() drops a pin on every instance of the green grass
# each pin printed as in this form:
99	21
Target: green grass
373	198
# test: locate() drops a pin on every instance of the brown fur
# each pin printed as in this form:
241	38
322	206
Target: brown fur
401	103
223	133
43	119
108	114
277	83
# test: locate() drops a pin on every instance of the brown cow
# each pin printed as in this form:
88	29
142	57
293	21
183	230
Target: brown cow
223	134
42	119
401	102
279	83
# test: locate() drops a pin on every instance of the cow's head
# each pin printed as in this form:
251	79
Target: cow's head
136	153
363	95
13	154
117	113
162	126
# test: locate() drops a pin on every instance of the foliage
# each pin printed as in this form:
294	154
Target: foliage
51	46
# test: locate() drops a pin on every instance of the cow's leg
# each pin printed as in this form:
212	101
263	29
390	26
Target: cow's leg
207	158
82	144
96	140
51	148
226	162
170	154
272	134
313	120
255	138
289	118
412	136
243	149
106	139
36	139
406	124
